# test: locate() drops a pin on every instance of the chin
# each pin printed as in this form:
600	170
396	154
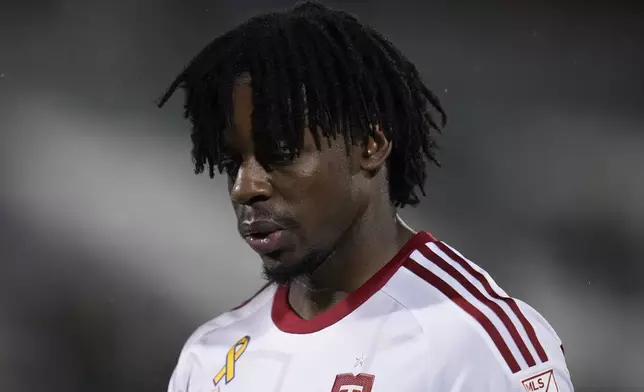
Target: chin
281	273
284	268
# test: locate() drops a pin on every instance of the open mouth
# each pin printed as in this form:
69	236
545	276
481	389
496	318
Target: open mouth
264	236
265	242
260	236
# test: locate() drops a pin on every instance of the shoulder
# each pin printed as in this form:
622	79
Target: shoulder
243	316
486	339
492	356
219	334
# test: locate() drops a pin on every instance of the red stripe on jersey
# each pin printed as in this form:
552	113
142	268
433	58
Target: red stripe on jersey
458	299
251	298
532	335
460	278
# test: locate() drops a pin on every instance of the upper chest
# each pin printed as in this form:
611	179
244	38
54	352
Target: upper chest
382	351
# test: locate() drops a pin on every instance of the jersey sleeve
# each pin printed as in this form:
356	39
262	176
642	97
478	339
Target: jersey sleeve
177	381
181	375
180	378
481	369
551	374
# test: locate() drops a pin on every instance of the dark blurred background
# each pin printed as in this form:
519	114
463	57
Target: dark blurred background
112	251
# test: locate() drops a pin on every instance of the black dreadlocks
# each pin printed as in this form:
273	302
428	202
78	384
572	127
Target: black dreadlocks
311	66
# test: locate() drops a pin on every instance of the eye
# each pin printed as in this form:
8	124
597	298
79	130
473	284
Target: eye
281	158
276	156
230	165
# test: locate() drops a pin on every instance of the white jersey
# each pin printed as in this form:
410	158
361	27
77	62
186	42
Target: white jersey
430	320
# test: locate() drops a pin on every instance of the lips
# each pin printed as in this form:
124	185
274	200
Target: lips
263	236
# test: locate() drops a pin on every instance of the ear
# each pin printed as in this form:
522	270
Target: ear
376	151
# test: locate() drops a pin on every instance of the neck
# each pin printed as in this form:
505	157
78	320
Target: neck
367	246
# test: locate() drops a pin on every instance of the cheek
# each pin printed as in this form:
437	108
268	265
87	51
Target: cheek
322	196
312	166
321	177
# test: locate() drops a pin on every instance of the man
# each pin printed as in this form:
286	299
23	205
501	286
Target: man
324	129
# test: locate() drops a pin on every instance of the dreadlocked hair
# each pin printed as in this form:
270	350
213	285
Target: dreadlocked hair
311	66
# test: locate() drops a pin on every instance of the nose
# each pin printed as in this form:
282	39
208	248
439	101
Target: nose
251	184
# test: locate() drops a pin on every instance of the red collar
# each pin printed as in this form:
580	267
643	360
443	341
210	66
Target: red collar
288	321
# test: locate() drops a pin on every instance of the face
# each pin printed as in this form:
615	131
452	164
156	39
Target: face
292	213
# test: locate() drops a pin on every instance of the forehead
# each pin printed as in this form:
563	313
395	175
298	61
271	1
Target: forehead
239	134
242	105
240	130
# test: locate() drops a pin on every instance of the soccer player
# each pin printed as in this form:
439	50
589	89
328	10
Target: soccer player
324	129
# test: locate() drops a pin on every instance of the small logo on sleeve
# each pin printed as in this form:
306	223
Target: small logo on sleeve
542	382
227	372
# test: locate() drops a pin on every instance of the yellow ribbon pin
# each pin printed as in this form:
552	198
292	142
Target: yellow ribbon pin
232	356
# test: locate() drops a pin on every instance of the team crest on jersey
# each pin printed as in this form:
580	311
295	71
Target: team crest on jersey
227	372
542	382
349	382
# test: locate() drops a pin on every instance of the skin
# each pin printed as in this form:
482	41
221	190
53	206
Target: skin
341	227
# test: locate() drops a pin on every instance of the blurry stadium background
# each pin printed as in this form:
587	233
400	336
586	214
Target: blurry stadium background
112	251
